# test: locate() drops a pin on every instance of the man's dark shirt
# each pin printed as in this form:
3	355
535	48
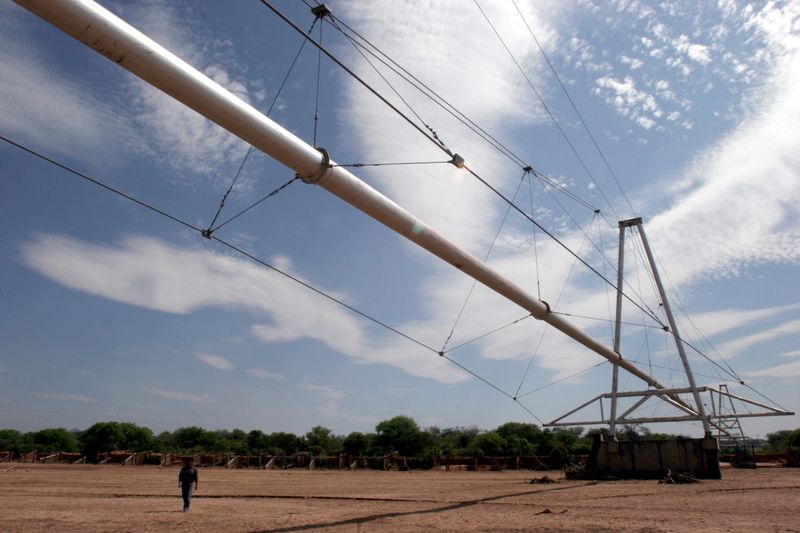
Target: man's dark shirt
188	475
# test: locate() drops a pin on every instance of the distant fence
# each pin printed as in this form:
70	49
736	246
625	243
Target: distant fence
299	460
341	461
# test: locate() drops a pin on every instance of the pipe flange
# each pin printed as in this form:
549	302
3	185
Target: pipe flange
324	166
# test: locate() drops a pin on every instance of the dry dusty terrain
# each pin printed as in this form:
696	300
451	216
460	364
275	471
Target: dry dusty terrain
116	498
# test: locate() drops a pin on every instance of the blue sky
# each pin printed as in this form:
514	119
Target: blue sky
110	312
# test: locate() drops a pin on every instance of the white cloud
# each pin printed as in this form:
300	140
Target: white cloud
632	62
794	353
645	122
263	374
323	390
156	275
696	52
180	396
628	100
215	361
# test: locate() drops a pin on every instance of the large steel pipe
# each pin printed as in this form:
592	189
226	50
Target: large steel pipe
101	30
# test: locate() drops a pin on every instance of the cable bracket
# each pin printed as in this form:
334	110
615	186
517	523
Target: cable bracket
457	161
324	166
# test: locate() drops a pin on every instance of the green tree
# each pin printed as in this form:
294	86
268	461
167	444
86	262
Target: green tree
12	440
164	442
400	434
780	441
489	443
258	441
135	438
100	437
355	443
109	436
53	439
194	439
281	443
238	442
324	440
521	438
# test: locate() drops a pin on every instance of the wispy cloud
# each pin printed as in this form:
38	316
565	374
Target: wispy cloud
331	409
399	391
263	374
180	396
475	74
738	346
323	390
49	108
71	113
215	361
716	322
786	371
65	397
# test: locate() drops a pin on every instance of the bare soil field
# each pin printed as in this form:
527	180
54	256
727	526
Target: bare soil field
36	497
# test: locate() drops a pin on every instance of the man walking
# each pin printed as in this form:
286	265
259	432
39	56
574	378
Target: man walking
187	481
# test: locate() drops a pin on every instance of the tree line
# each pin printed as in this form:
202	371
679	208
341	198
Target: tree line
400	435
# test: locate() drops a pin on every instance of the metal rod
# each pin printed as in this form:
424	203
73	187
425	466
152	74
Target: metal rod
646	420
635	406
112	37
581	406
674	327
751	402
655	392
612	422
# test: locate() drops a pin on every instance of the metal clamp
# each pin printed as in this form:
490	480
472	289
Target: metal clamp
546	311
325	165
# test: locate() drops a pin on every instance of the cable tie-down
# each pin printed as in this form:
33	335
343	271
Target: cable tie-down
321	11
458	161
325	165
207	233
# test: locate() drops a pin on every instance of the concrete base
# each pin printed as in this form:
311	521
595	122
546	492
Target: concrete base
648	459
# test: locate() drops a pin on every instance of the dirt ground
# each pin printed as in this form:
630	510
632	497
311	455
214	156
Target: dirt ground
115	498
